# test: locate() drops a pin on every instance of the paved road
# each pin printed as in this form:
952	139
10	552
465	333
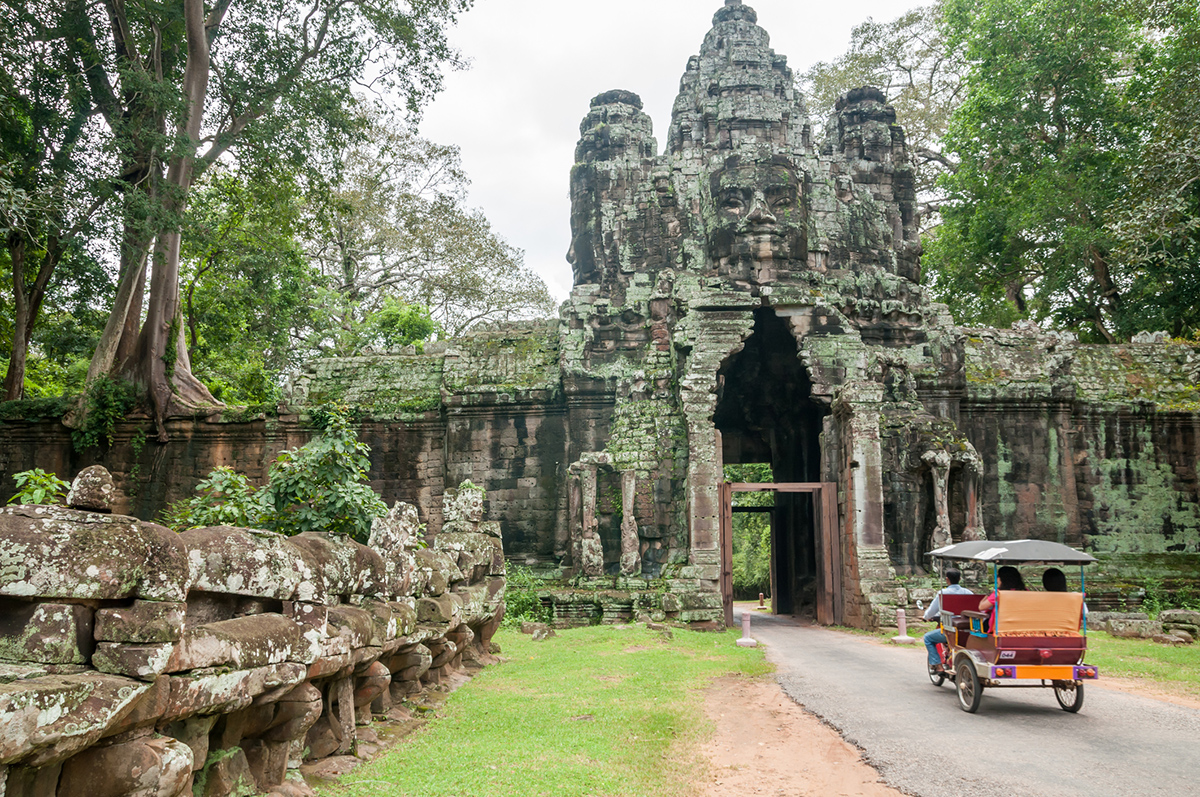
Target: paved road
1019	744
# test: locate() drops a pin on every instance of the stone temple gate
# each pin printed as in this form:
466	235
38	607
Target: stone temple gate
750	293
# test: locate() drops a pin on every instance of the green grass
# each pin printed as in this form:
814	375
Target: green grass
1170	668
614	711
1165	666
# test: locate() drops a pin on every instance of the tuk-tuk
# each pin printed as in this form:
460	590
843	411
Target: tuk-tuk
1030	639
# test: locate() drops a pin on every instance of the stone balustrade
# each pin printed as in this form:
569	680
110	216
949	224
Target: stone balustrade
135	661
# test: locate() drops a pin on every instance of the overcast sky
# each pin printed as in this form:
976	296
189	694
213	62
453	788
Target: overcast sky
535	66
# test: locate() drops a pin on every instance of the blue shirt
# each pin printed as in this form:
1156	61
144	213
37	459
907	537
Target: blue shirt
935	607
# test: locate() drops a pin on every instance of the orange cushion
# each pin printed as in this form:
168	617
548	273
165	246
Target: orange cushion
1039	614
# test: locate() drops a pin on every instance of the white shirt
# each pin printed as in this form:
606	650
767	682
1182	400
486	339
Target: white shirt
935	606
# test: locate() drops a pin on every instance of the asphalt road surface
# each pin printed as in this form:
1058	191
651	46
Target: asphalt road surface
1019	743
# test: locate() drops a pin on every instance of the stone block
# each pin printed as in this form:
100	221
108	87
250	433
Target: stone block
50	718
226	774
32	781
148	766
267	762
143	622
313	616
295	713
442	609
335	566
144	662
243	643
52	552
45	633
194	733
1134	629
223	692
1180	617
235	561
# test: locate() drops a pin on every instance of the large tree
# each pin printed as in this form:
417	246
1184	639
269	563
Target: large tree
396	226
1043	135
50	159
1157	226
185	82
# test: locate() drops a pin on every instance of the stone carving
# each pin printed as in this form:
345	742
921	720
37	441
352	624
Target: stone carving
748	293
93	490
134	661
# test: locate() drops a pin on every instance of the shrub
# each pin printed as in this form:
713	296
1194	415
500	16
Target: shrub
521	600
321	486
108	401
225	498
39	487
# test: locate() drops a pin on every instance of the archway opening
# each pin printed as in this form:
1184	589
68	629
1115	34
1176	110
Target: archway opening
766	414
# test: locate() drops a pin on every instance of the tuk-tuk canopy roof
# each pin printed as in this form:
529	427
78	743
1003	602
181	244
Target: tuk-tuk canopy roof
1014	552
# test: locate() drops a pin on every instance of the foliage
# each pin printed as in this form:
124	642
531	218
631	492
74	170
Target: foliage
51	169
395	227
320	486
1042	136
35	409
907	58
224	498
108	401
248	290
641	697
521	601
751	533
1156	598
1158	232
39	487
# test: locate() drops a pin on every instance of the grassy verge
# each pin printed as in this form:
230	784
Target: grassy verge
1165	666
1168	668
614	711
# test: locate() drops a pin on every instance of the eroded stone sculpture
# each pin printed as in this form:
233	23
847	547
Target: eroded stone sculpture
135	661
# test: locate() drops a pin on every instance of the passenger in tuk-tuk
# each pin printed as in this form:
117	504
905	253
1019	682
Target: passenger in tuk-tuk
936	637
1055	580
1010	579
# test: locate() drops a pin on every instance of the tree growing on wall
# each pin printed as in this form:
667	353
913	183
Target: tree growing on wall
185	83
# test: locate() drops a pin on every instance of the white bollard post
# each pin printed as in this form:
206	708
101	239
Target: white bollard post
746	641
902	622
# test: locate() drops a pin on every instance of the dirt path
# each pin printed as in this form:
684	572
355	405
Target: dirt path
766	744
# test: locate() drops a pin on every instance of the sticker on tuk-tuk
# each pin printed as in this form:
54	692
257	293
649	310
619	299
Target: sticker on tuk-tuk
990	553
1008	654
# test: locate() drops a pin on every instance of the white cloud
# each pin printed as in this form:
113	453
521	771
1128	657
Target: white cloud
536	64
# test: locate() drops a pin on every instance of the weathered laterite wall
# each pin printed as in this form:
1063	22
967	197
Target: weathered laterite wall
135	661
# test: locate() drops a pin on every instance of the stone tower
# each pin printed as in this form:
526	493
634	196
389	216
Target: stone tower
751	295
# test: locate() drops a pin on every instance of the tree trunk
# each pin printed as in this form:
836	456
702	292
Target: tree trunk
14	379
27	302
112	350
167	376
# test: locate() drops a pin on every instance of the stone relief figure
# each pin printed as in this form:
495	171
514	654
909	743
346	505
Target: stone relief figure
758	225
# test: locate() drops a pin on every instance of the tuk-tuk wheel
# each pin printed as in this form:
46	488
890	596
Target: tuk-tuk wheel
936	677
1069	695
970	690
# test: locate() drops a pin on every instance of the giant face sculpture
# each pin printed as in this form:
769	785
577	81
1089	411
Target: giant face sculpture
757	222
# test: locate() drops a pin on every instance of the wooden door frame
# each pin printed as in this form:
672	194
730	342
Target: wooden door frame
829	553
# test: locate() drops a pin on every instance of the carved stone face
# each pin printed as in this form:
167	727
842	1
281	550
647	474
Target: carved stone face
757	214
463	504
